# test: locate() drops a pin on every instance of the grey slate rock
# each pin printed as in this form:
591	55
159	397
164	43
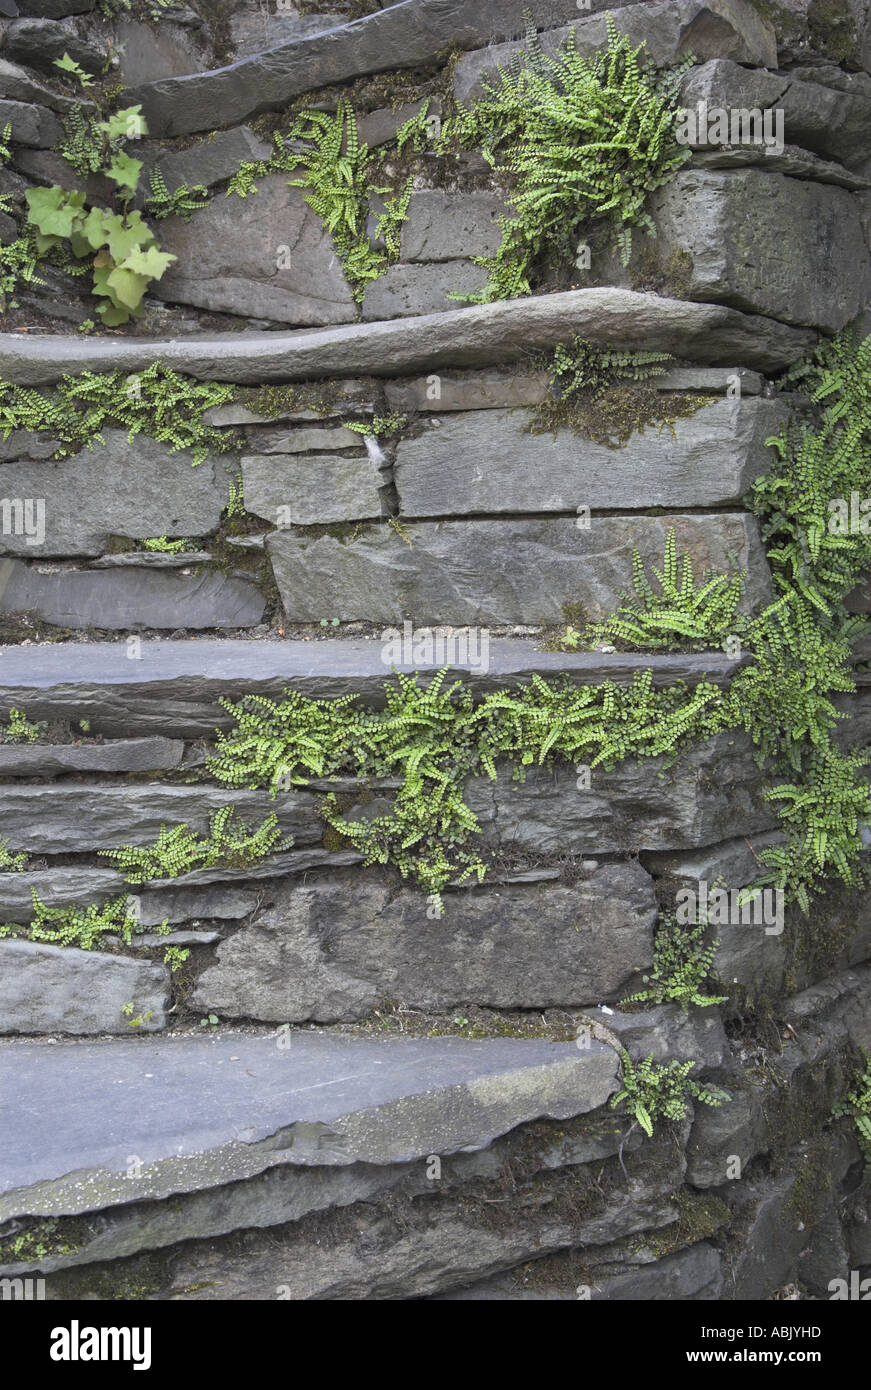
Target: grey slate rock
312	487
39	43
175	687
669	29
31	125
713	789
301	440
444	226
407	290
330	951
350	398
125	755
82	818
121	599
60	989
57	9
665	1032
406	36
442	392
484	335
136	488
763	243
327	1100
208	162
66	887
488	462
229	258
17	84
499	571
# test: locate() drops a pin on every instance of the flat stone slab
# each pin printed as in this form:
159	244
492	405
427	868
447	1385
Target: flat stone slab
331	951
79	818
175	687
500	571
268	256
60	989
486	461
136	488
124	598
483	335
402	36
300	489
125	755
761	242
405	291
443	226
200	1111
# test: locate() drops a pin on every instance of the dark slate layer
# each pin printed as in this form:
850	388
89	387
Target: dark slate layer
197	1118
176	687
480	336
126	755
413	33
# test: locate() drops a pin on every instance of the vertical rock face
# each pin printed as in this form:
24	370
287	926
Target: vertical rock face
301	1071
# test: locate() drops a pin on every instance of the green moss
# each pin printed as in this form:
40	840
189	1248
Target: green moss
832	29
701	1215
614	417
44	1237
668	276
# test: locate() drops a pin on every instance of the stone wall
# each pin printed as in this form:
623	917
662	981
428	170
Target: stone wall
486	1033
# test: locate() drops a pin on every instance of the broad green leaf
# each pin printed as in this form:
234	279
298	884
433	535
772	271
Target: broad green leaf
128	124
125	171
125	234
151	263
127	286
53	210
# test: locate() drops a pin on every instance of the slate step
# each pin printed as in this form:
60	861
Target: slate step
173	688
479	336
197	1112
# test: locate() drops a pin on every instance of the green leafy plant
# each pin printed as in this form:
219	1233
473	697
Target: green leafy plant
10	863
70	926
20	729
69	65
580	142
178	849
175	957
128	1010
182	202
121	248
211	1022
857	1106
682	962
158	402
681	613
651	1091
162	546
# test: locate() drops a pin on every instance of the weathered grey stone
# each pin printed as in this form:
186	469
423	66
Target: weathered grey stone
329	951
17	84
187	1108
136	488
374	1250
498	571
48	167
380	127
762	242
694	1274
471	391
481	336
667	1033
175	687
39	43
31	125
827	122
345	398
302	441
795	162
488	462
440	393
127	755
296	489
712	788
81	818
444	226
66	887
22	444
255	31
735	861
289	1192
58	9
59	989
403	36
146	560
128	598
407	290
156	905
208	162
669	30
173	47
232	258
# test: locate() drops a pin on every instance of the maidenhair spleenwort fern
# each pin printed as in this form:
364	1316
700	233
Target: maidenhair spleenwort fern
581	143
651	1091
799	649
857	1105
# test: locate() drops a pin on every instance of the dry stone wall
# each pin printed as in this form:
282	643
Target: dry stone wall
377	462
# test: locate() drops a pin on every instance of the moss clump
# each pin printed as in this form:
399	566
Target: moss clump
671	277
701	1216
321	397
43	1238
613	417
832	29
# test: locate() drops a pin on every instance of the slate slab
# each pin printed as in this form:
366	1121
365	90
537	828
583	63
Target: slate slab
60	989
